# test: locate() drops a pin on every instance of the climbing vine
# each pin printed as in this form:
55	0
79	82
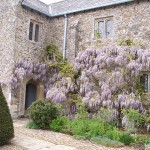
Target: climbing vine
106	78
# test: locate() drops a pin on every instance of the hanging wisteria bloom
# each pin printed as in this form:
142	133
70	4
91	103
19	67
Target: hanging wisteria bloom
107	78
112	71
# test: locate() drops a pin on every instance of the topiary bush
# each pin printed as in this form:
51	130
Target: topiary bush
42	112
6	123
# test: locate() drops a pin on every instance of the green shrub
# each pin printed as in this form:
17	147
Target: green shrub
79	127
6	123
78	137
82	111
147	142
140	139
59	124
105	115
87	128
134	120
32	125
127	139
96	128
117	135
42	112
114	134
107	142
126	42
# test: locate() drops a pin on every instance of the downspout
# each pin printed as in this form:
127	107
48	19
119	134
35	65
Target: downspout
65	36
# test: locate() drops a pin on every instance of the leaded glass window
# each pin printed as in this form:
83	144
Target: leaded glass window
101	28
109	28
104	27
31	31
36	33
144	82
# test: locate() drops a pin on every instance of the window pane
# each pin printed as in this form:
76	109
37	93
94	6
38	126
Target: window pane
30	31
109	28
101	29
36	33
144	82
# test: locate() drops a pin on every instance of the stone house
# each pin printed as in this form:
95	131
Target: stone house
27	26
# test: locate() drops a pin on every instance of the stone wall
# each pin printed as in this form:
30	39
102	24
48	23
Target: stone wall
55	34
24	48
130	20
7	42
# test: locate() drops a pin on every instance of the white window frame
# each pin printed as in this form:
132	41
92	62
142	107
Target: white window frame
104	19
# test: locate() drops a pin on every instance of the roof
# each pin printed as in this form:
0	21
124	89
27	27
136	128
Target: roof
70	6
37	6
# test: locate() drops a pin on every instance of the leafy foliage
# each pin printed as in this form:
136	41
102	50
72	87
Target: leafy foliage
32	125
126	42
59	89
107	78
6	123
134	120
42	112
147	142
114	134
52	52
127	139
107	142
88	128
108	115
59	124
56	61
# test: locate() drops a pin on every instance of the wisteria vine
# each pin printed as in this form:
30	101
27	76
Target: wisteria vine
107	78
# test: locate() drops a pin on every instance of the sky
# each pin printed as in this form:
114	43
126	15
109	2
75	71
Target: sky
50	1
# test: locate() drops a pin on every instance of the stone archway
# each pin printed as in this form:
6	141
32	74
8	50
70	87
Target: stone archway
30	91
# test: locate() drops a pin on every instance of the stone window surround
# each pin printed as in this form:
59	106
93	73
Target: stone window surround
147	73
97	20
22	93
33	34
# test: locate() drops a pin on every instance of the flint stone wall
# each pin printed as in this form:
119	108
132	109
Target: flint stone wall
7	41
130	20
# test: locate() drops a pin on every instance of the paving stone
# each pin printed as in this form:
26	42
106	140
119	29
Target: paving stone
31	143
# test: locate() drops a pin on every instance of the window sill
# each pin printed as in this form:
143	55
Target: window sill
33	42
101	39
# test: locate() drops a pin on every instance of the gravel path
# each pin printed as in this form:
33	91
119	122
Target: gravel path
11	146
57	138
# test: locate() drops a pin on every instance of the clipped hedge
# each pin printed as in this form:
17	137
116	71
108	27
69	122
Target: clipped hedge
6	123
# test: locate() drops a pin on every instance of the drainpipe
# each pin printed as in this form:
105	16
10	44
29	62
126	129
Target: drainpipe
65	37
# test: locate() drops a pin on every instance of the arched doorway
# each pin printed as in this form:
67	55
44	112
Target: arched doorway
31	92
